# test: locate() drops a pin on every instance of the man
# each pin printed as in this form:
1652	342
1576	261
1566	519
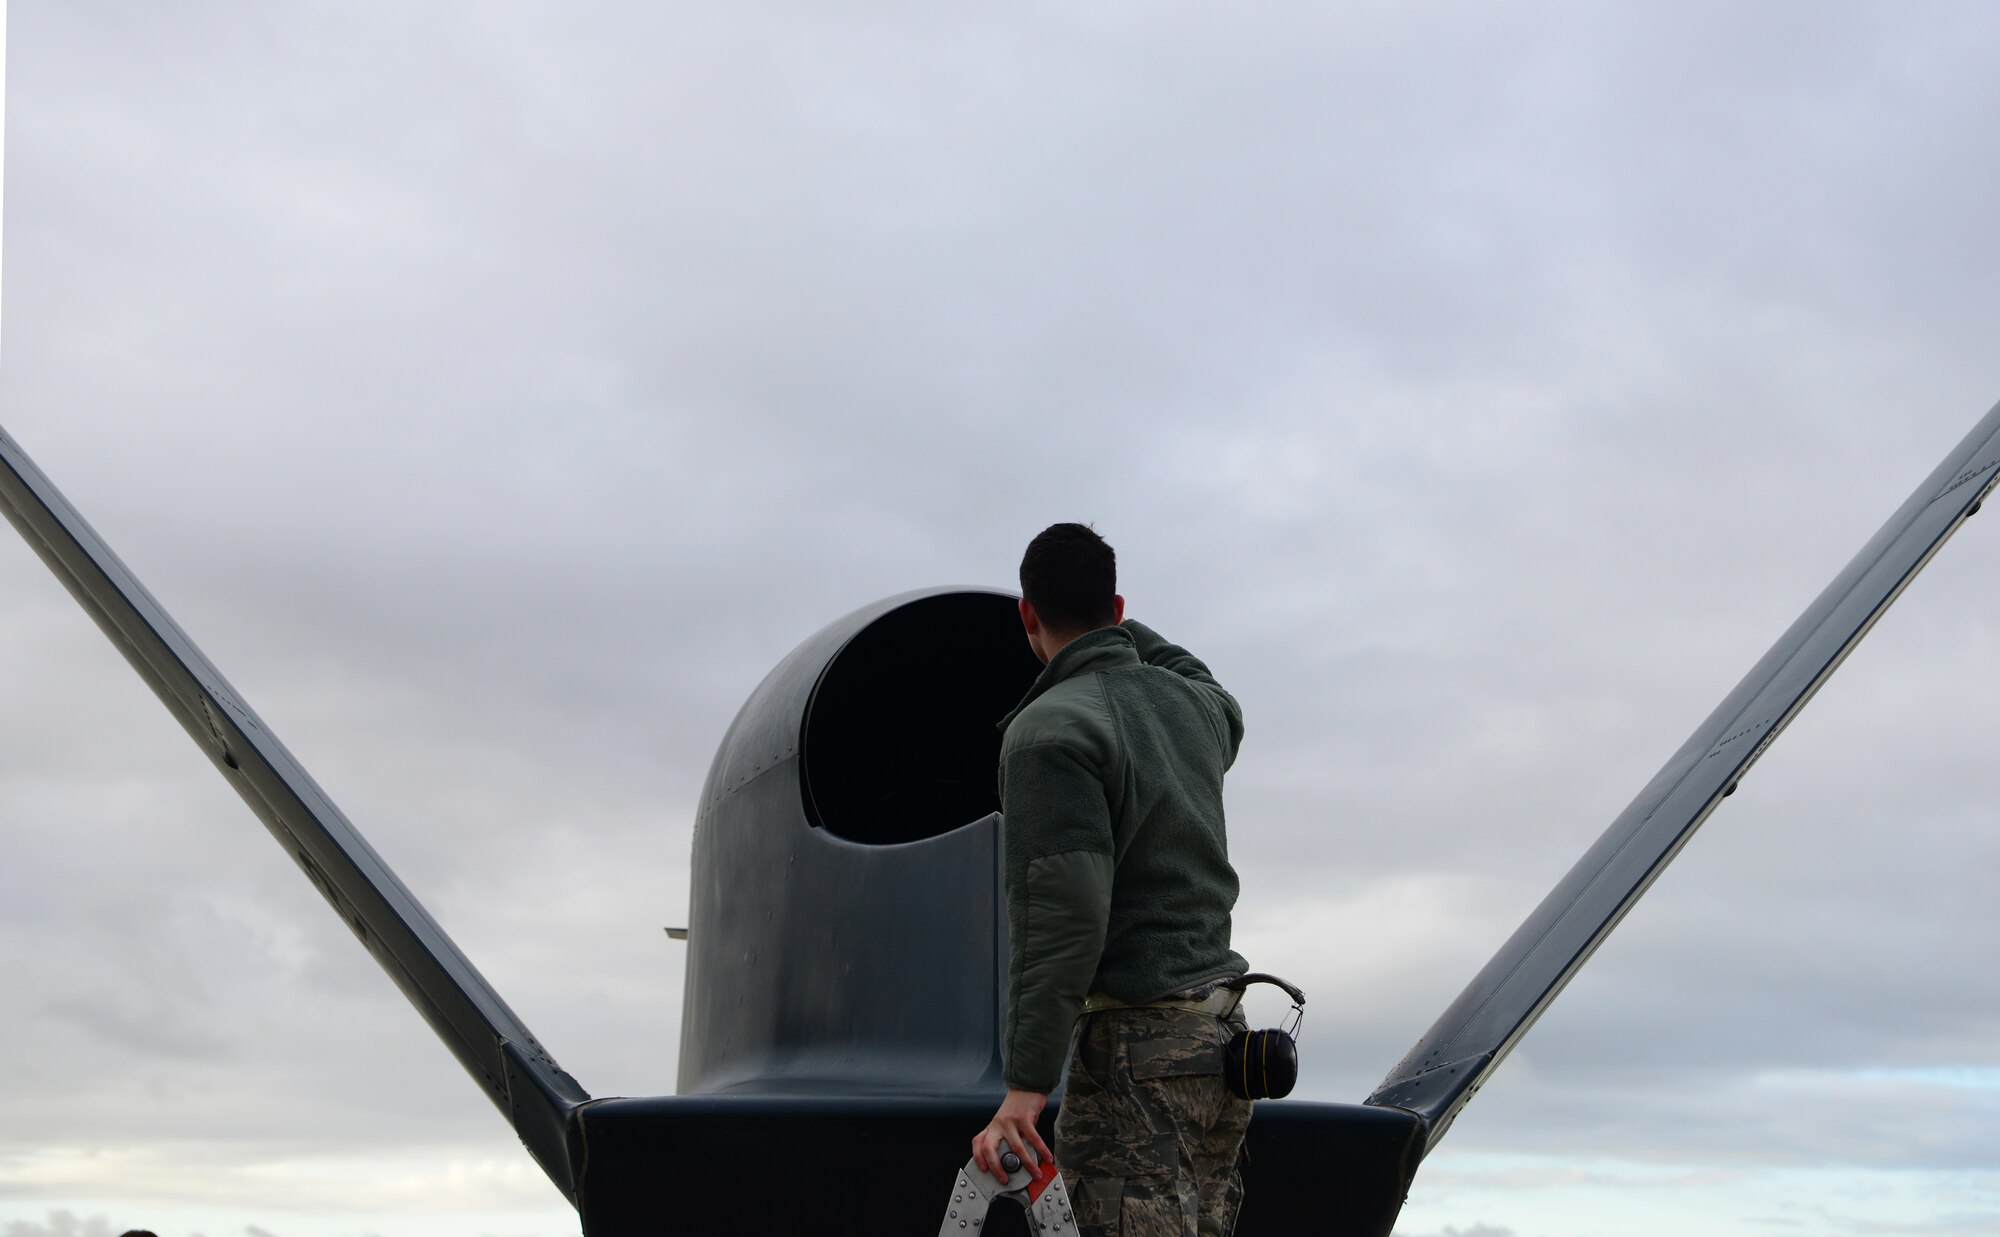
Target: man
1119	891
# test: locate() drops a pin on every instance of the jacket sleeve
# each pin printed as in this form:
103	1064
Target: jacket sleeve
1059	866
1154	650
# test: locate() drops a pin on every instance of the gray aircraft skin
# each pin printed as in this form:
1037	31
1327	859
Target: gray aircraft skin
847	934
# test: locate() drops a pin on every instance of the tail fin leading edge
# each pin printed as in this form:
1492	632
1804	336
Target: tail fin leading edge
1441	1073
493	1045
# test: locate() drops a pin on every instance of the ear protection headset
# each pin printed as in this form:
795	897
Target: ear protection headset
1258	1065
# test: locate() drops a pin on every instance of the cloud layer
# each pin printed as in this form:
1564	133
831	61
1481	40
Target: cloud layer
495	393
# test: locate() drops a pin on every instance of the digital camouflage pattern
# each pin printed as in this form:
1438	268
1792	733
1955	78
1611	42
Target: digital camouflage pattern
1148	1137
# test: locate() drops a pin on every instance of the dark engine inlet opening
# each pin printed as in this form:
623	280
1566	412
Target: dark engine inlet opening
901	740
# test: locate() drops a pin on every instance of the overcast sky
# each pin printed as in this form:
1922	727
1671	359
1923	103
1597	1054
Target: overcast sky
495	392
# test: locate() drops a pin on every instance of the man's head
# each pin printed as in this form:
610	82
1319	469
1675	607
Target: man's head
1069	585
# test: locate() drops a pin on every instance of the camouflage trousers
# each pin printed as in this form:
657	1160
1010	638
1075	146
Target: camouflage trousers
1148	1137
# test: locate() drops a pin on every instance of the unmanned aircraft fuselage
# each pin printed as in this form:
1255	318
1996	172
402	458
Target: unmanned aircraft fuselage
844	981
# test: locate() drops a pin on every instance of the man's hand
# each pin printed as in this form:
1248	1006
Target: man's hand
1014	1124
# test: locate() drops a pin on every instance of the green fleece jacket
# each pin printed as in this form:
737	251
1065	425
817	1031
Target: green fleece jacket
1117	865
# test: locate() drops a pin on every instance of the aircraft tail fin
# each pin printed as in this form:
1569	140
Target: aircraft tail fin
493	1045
1444	1069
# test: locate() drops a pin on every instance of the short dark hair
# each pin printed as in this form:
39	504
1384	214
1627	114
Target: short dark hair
1070	575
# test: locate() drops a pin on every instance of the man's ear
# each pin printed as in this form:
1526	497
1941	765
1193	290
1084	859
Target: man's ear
1117	609
1030	621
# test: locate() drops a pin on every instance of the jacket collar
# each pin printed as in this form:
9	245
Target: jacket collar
1107	648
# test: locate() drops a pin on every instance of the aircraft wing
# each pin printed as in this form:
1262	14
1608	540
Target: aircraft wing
1444	1069
537	1097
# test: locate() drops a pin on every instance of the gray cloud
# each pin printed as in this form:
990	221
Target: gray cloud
1963	1222
60	1223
